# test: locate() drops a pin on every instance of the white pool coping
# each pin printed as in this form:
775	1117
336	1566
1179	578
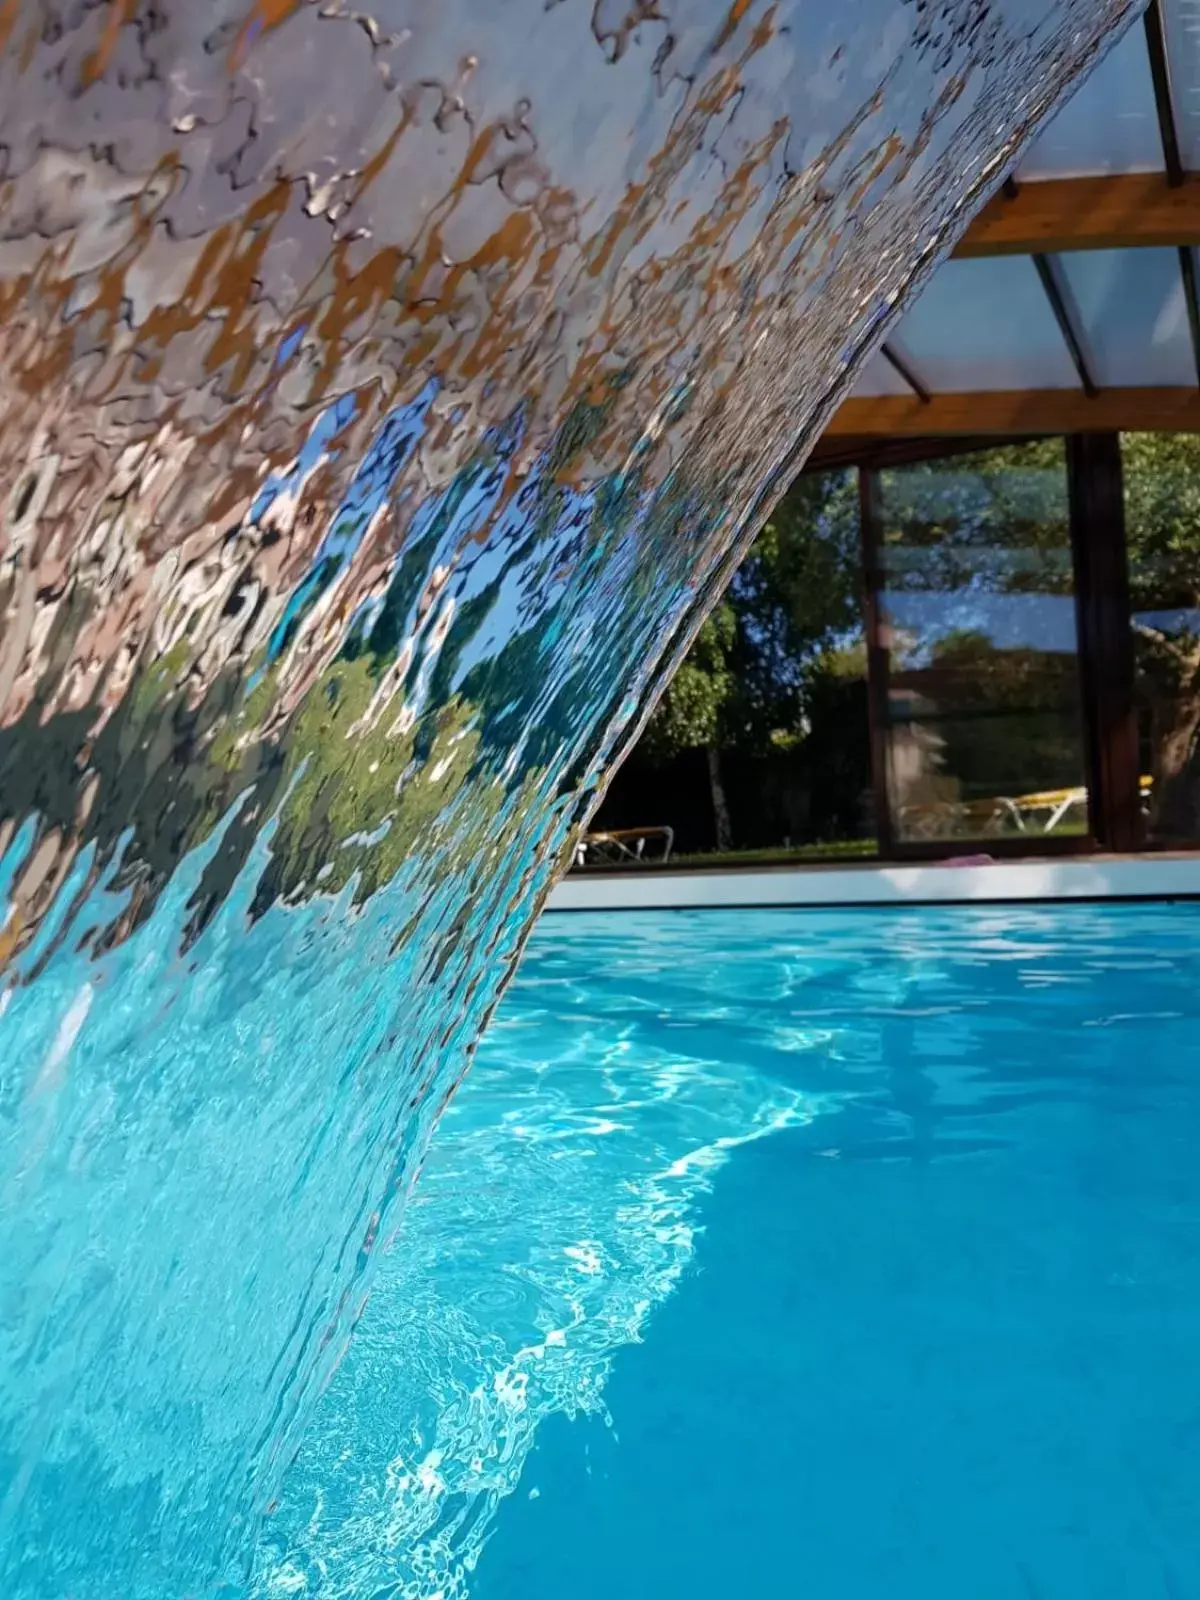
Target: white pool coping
1167	877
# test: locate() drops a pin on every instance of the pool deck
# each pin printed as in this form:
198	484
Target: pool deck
1147	877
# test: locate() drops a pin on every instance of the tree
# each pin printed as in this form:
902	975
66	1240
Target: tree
694	712
1162	520
796	598
748	682
995	523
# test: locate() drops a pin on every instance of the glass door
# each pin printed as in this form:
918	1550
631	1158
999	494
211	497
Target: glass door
982	735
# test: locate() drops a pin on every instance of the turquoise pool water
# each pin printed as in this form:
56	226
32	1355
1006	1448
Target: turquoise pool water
834	1255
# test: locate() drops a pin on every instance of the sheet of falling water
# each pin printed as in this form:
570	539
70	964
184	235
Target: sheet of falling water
383	397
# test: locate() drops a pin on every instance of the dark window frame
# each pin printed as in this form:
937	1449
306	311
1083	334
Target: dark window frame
1099	558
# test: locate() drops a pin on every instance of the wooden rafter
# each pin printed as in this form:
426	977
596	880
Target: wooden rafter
1062	305
1010	412
1112	213
850	450
899	365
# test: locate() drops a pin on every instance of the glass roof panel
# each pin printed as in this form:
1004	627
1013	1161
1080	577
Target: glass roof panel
986	324
1133	316
1110	124
1182	21
880	377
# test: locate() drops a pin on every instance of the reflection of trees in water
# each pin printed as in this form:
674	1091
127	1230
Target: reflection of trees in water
368	761
155	377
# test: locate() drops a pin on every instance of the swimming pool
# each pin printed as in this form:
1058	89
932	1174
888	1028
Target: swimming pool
841	1255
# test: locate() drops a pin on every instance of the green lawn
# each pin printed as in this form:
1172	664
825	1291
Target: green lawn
843	849
835	850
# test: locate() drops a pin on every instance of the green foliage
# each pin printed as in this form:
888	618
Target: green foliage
777	855
1162	517
1015	727
360	791
693	711
1162	520
798	600
788	619
973	675
995	520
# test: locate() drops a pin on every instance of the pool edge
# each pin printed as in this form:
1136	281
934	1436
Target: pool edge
1098	878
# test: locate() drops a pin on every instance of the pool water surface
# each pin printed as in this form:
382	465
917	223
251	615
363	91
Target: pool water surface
839	1255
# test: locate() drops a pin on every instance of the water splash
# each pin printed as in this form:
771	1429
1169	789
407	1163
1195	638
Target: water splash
383	398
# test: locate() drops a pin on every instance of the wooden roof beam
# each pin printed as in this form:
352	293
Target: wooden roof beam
1006	413
1118	212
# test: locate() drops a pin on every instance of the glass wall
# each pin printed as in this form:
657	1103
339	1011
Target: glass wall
944	654
761	743
1162	530
982	733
